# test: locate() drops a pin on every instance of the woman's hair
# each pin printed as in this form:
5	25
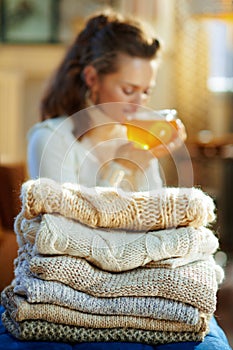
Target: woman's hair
105	36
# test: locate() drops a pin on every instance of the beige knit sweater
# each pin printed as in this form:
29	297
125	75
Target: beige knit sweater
49	331
36	290
195	284
21	310
111	208
115	250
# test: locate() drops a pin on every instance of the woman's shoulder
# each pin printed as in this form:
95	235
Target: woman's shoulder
49	124
61	126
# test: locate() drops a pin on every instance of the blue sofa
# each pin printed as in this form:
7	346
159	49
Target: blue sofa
215	340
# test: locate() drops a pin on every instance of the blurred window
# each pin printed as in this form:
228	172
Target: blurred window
221	55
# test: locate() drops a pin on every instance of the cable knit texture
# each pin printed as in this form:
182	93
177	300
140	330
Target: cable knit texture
116	250
111	208
49	331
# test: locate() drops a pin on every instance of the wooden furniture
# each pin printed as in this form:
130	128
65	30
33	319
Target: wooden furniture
11	178
213	171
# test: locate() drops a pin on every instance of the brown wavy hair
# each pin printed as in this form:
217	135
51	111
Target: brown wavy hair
105	35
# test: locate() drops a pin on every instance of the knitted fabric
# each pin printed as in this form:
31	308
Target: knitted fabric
39	291
21	310
24	229
48	331
111	208
113	250
195	284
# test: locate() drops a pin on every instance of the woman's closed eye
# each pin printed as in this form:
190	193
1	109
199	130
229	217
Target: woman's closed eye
147	92
128	90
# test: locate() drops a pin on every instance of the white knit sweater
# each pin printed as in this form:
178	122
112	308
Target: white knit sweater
116	250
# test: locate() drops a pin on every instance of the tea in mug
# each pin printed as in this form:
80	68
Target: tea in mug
152	132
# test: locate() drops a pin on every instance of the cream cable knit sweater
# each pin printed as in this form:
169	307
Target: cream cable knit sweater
111	208
195	284
21	310
113	250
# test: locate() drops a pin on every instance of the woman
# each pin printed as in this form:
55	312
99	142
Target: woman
112	60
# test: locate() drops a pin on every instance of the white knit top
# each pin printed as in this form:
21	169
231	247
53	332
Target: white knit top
55	153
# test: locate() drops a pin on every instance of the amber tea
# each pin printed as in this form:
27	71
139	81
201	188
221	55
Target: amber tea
152	130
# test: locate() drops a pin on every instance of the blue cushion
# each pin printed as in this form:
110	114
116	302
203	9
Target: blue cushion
215	340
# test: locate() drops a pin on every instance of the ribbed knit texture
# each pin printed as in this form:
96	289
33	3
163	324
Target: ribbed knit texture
21	310
111	208
116	250
39	291
48	331
195	284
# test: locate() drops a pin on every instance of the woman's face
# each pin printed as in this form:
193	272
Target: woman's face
132	83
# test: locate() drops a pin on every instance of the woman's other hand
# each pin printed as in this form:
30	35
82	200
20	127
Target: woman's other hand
130	156
179	136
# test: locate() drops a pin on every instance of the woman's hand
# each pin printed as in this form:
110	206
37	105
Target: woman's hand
109	142
104	141
179	136
133	157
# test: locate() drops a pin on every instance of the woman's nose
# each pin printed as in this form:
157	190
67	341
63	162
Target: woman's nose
139	98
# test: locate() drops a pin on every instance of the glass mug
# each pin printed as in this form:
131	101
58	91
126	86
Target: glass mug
159	131
148	130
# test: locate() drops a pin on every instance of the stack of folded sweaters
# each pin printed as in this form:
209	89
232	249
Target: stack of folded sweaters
100	264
